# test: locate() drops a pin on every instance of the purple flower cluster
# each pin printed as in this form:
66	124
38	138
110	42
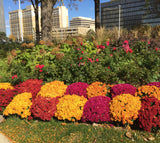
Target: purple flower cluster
123	89
157	84
96	109
78	88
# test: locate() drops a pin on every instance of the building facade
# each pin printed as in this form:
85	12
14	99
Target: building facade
63	33
127	14
2	19
82	22
22	22
60	17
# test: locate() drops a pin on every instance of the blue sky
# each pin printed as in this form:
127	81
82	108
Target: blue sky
85	9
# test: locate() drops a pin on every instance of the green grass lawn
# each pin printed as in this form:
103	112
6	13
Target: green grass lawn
36	131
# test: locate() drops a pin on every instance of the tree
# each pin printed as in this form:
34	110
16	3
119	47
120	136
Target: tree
97	13
3	36
12	38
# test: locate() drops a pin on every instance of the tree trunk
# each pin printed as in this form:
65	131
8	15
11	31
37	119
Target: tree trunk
37	21
46	16
97	13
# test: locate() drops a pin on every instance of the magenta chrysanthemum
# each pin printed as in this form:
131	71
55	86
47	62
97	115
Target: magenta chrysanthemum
157	84
96	109
78	88
119	89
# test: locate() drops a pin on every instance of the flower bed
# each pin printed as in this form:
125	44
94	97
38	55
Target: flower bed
56	100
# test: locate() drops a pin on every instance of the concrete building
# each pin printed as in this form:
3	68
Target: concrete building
63	33
29	24
60	17
127	13
82	22
2	19
22	22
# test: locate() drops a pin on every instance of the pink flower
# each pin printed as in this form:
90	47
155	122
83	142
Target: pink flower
40	70
81	43
80	58
108	67
156	49
78	49
111	55
149	42
41	66
82	52
14	76
97	60
71	65
125	42
142	40
37	66
130	50
114	48
107	43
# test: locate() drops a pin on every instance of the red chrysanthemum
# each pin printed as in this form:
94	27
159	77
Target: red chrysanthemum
31	85
44	108
149	114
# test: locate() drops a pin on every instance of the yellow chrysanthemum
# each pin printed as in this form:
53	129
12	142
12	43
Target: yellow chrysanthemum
6	86
20	105
124	108
53	89
70	106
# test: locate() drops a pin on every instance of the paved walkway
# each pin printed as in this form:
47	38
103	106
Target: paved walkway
3	139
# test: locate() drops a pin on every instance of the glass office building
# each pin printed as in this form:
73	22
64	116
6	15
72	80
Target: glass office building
128	13
2	19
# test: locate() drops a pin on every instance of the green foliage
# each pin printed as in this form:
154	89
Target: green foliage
84	62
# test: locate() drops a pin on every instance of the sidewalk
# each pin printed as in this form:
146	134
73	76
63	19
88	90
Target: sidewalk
3	139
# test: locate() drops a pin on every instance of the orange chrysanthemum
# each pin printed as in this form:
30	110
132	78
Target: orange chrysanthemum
96	89
149	91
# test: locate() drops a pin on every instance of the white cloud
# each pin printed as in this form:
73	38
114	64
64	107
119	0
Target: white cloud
7	26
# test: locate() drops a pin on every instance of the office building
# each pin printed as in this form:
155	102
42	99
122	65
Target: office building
22	22
2	19
127	14
82	22
60	17
63	33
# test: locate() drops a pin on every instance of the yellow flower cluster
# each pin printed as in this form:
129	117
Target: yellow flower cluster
124	108
96	89
20	105
53	89
149	91
70	107
6	86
